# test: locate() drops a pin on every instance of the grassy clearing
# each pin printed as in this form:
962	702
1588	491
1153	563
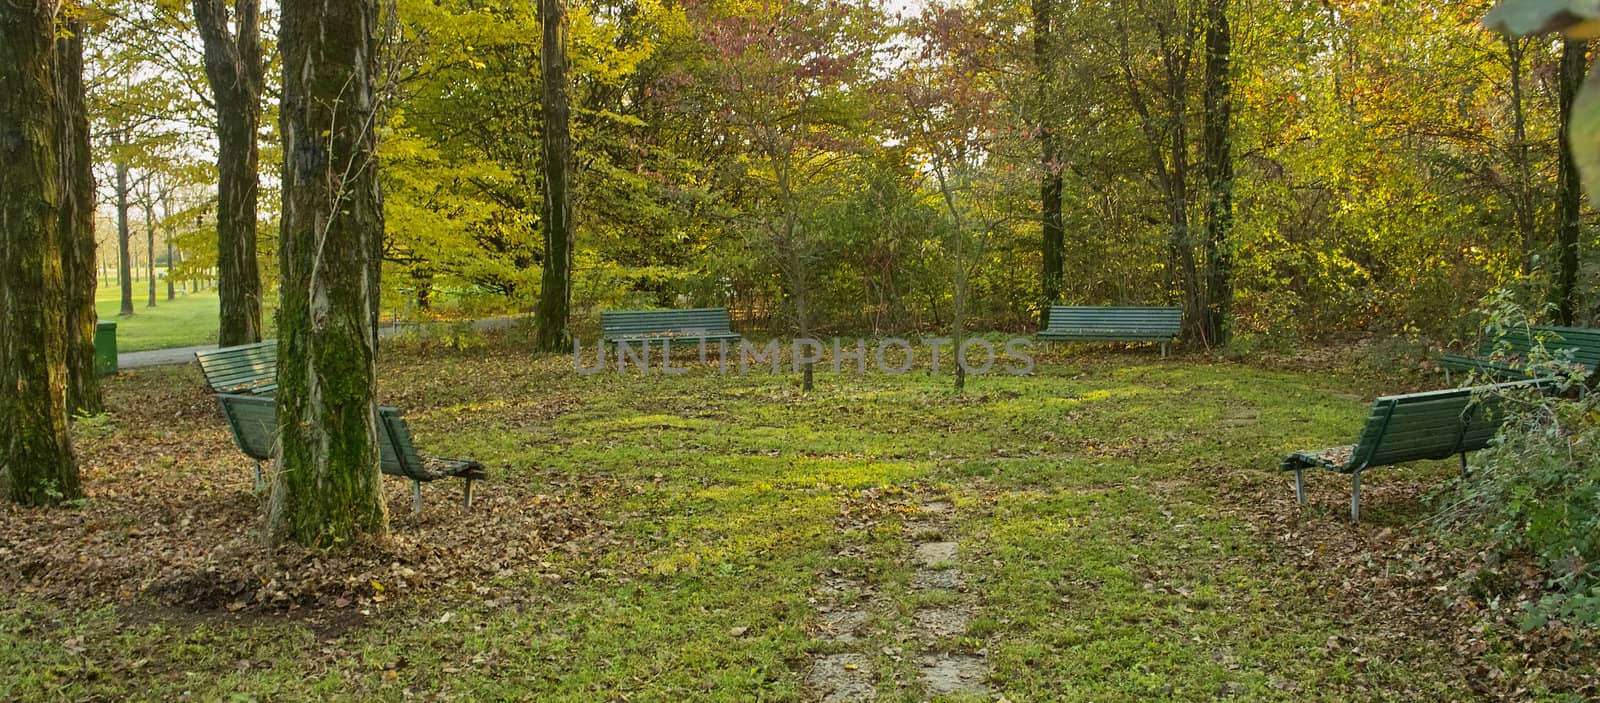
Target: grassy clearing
186	321
1106	509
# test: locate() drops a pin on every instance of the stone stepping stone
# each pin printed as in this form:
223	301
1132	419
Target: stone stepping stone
936	507
947	674
938	579
931	553
842	678
941	622
843	625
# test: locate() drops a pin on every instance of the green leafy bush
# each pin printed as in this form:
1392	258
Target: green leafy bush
1535	494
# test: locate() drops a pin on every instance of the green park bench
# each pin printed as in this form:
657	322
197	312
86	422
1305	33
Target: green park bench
248	368
1506	357
1412	427
692	326
253	419
1069	323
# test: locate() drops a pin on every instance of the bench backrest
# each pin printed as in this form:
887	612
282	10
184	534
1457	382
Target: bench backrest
660	323
397	453
1515	344
241	366
1432	425
254	422
1584	342
1127	318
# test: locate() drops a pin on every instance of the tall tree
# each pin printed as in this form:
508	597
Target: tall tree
326	489
149	206
1569	189
1054	232
1162	106
76	222
124	196
36	462
1217	164
234	68
555	287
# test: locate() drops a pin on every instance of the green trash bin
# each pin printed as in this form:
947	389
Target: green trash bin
105	347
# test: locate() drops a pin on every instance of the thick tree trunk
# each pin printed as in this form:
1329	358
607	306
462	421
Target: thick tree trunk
76	223
550	319
1569	189
1218	147
124	255
1053	240
36	462
234	69
326	489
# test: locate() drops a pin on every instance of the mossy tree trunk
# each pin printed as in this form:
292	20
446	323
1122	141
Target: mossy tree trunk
326	489
36	462
76	221
234	69
1053	241
555	286
1217	140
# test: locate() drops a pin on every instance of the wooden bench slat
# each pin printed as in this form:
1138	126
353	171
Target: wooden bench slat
250	368
1112	324
658	326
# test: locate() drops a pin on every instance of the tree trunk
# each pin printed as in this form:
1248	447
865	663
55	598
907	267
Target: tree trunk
550	319
1569	188
124	256
326	488
76	223
166	231
1218	147
234	69
1522	182
36	462
150	246
1054	234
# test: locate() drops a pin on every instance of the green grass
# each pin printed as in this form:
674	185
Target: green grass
1101	506
186	321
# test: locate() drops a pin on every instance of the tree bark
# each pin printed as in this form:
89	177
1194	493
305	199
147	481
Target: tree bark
36	462
1218	147
234	70
327	490
555	289
150	244
124	255
166	231
1053	240
1522	205
1569	188
76	222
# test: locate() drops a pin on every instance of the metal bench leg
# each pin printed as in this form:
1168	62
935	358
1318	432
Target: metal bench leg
416	497
1355	496
1163	350
1463	465
1300	486
260	485
466	500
